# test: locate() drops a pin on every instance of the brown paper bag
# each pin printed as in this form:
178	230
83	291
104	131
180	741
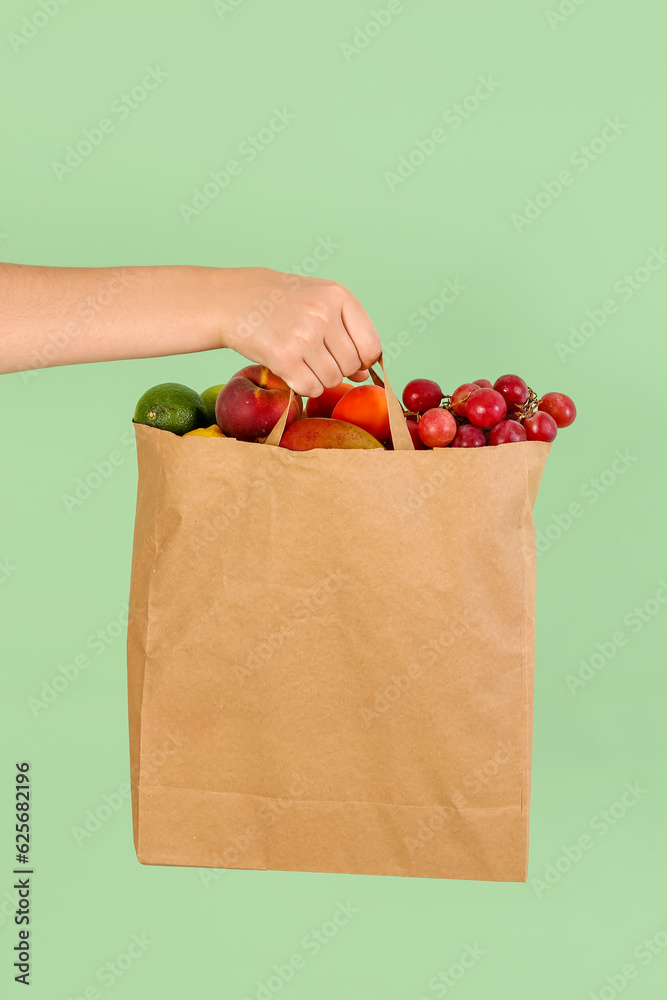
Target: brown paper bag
330	656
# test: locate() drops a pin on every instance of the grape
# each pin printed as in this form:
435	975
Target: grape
485	408
459	396
414	433
421	395
469	436
437	427
540	427
560	407
507	431
483	383
515	391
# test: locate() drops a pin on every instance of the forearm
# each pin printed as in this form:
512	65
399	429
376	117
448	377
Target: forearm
60	316
310	331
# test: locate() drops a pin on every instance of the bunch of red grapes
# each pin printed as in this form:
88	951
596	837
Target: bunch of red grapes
479	413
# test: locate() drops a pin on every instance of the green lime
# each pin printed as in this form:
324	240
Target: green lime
171	407
210	397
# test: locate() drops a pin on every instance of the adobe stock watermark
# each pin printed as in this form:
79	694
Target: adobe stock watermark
32	24
325	247
89	308
213	530
581	159
436	818
96	644
268	813
8	907
120	109
419	493
600	825
454	117
311	944
263	309
624	289
591	491
635	620
645	952
112	802
7	569
429	655
225	7
117	967
364	34
563	12
307	604
248	150
441	984
87	484
422	318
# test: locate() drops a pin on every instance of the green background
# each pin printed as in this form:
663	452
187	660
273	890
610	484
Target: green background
66	573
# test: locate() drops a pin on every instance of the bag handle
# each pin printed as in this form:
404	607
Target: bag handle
279	429
400	435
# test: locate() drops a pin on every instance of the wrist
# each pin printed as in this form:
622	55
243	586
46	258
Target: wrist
196	295
220	300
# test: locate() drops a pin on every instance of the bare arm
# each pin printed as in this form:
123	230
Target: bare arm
310	331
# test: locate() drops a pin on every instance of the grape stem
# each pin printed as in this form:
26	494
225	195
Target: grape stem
447	405
528	408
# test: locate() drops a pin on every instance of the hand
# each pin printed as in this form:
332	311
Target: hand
312	332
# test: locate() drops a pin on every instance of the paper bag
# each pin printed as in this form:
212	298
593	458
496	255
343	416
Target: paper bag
330	656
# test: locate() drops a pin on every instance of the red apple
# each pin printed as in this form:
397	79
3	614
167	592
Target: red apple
261	376
266	379
252	402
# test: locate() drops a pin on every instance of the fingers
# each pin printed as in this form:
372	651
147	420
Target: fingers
303	380
339	359
325	366
320	371
325	336
310	367
341	347
361	330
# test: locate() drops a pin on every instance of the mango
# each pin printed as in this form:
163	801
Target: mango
324	432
